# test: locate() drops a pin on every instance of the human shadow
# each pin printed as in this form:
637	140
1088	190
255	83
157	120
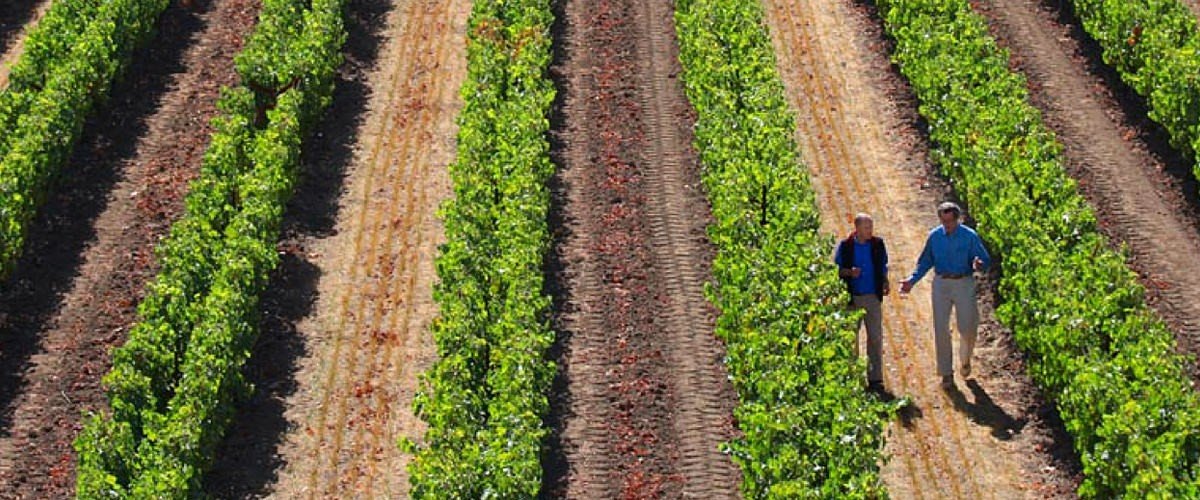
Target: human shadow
984	411
907	411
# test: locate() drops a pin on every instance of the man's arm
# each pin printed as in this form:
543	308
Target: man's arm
924	262
980	252
839	259
887	285
883	247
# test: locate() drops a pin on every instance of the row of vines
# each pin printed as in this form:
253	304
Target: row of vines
808	428
174	384
1095	349
1154	45
486	396
69	64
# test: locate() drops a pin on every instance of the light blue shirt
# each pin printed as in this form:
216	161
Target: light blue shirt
948	253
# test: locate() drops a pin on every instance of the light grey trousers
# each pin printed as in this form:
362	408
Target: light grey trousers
873	319
957	294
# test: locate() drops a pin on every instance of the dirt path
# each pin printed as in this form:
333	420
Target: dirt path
1118	174
90	253
367	338
1194	5
642	401
856	130
14	37
14	15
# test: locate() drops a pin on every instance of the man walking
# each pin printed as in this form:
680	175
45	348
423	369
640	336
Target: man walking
862	263
953	251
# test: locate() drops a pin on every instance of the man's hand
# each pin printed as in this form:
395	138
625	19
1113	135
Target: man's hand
855	272
905	287
977	264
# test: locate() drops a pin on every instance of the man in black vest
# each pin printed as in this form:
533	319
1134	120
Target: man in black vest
862	263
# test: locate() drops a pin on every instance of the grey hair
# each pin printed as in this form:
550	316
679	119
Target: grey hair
862	217
949	205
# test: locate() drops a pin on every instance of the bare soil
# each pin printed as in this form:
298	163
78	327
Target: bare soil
641	402
1194	5
862	140
1143	191
90	252
346	323
16	20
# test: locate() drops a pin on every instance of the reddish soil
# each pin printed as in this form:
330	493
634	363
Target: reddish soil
14	39
1194	5
642	401
1143	191
89	256
14	14
248	460
863	142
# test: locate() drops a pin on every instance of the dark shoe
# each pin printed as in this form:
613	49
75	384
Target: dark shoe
966	369
875	386
948	381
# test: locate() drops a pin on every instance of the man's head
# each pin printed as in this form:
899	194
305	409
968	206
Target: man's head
864	226
949	212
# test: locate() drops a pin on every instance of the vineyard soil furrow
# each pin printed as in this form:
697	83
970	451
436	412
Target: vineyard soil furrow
1194	5
1106	148
857	133
367	337
13	32
91	252
643	402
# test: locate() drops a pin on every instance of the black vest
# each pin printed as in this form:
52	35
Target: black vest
877	253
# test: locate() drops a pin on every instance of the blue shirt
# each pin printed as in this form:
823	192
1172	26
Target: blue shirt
864	284
950	253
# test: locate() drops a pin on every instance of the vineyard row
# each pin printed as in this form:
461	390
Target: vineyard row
485	397
808	429
1095	349
174	383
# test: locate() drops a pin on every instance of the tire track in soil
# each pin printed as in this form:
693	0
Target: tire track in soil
90	252
865	155
14	47
1117	173
643	401
369	336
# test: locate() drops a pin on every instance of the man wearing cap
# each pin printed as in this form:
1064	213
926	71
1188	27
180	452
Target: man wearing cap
862	263
954	252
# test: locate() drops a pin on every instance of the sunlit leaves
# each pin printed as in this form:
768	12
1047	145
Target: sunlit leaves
1072	303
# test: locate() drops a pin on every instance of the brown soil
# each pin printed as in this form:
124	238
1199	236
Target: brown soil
249	459
1194	5
89	255
359	336
859	134
15	23
642	401
14	15
1110	150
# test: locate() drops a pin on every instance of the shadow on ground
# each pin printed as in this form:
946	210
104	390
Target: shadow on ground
248	459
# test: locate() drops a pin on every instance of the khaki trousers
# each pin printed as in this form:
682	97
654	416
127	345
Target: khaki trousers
874	322
958	294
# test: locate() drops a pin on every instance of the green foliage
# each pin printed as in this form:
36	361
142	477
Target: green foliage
174	383
68	66
1072	303
485	397
1155	46
809	429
